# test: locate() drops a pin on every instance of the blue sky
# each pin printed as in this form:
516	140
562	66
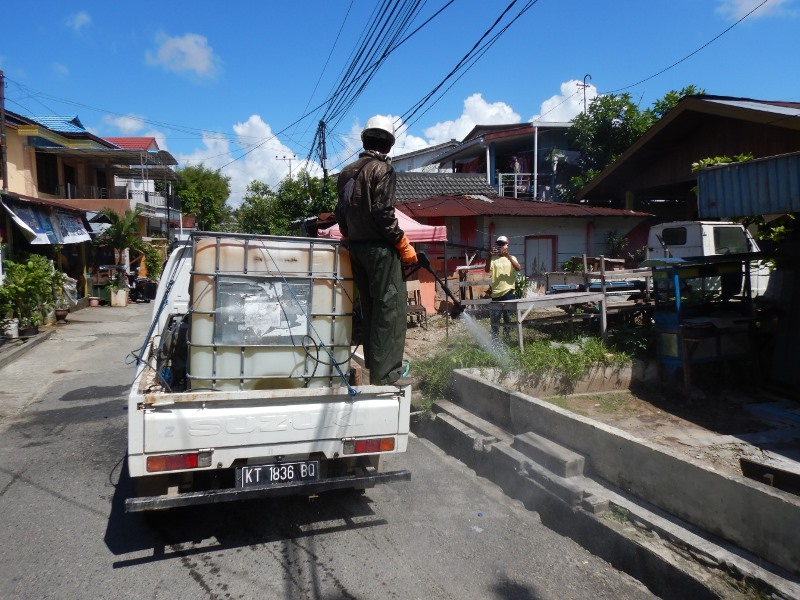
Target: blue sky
237	86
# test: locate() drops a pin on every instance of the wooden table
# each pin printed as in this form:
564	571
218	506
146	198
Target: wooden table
524	306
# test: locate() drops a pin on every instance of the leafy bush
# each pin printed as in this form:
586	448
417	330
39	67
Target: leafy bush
558	355
153	259
573	265
435	372
27	289
521	285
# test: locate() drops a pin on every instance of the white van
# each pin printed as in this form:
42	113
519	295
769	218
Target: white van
681	239
684	239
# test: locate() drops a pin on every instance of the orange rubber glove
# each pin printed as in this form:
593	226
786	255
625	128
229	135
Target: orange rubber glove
407	253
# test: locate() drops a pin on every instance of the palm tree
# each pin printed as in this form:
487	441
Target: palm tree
122	232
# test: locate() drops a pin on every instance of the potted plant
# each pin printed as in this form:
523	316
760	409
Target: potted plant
27	290
60	298
9	323
118	291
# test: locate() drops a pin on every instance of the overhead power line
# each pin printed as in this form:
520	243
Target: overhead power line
688	56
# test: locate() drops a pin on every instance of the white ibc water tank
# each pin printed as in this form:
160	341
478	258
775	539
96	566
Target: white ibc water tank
268	312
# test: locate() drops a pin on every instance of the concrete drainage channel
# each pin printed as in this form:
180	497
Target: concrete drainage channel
674	525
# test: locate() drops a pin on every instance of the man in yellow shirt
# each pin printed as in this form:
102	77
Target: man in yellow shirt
503	268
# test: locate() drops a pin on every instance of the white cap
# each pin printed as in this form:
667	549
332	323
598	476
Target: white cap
502	240
379	126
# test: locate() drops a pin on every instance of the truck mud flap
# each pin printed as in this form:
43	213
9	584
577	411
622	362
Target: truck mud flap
146	503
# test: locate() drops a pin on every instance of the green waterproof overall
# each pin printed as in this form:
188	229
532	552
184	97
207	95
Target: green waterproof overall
379	277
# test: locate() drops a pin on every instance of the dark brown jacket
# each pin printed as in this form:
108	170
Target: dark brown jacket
370	215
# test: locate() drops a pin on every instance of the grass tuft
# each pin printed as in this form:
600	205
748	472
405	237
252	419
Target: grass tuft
558	354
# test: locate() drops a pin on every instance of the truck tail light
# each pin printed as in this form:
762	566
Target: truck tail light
367	446
176	462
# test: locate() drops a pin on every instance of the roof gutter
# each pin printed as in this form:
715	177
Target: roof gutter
447	154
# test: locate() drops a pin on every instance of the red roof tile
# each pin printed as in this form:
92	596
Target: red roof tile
134	143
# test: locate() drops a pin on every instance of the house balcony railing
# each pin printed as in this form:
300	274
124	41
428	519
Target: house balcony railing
515	185
521	185
155	199
71	191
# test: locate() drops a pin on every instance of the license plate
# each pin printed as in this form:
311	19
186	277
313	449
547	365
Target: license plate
257	475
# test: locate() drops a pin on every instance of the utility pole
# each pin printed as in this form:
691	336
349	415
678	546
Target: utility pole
323	155
3	154
584	85
323	152
288	159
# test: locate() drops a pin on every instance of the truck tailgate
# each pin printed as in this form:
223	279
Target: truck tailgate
230	424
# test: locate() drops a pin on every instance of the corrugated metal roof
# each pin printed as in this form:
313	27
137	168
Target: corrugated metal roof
493	134
426	150
757	187
670	136
413	185
768	106
60	204
61	124
465	206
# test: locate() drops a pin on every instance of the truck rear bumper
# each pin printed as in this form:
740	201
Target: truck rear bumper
145	503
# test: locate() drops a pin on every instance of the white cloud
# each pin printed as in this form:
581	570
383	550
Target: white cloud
61	71
161	139
131	125
563	107
254	137
78	20
127	124
404	143
736	9
189	52
476	112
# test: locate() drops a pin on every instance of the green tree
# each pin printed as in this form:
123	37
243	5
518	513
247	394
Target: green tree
610	125
203	193
274	212
257	209
662	106
301	197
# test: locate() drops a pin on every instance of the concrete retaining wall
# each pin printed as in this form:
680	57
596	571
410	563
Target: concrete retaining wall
755	517
600	379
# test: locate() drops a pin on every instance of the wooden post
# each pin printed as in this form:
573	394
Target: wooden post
446	298
603	324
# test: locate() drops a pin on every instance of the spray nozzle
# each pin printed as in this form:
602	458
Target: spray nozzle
425	263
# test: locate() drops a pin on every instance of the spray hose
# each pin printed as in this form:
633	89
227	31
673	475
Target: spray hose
424	263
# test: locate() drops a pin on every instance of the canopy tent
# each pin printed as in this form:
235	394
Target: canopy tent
415	232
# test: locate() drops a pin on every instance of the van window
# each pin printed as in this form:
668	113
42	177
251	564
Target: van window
730	240
674	236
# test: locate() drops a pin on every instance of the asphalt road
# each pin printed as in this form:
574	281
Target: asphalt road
64	533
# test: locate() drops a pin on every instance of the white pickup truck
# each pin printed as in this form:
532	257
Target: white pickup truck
242	388
693	239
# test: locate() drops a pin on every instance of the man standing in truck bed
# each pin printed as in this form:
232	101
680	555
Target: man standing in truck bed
365	213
